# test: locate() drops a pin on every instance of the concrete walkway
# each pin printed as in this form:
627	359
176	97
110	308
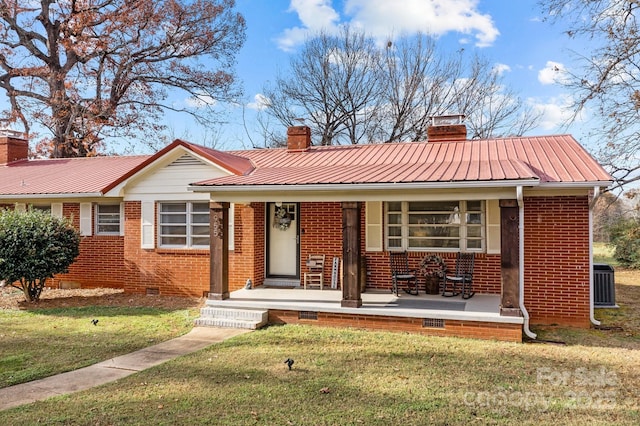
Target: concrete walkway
115	368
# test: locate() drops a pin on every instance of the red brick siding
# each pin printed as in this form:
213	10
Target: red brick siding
472	329
173	272
101	259
556	273
246	261
320	233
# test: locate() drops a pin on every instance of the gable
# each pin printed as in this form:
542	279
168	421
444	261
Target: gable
169	177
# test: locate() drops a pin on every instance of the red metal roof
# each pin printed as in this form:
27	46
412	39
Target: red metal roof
548	159
64	175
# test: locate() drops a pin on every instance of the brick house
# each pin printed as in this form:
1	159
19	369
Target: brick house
195	221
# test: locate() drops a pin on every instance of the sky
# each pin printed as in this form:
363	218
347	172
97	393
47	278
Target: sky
511	33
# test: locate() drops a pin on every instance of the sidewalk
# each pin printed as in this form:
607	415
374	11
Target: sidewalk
114	368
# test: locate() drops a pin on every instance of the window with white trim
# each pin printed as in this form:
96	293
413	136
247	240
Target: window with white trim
435	225
107	219
184	224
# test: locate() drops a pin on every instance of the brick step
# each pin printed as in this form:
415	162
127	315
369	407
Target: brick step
232	318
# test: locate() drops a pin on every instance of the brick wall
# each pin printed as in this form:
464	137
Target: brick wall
472	329
100	261
556	274
173	272
320	233
246	261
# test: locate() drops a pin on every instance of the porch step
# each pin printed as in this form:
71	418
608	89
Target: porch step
251	319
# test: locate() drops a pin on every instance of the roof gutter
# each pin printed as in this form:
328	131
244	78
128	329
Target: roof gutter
364	186
50	196
525	313
596	195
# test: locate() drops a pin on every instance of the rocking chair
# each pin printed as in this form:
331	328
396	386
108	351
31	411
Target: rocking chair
463	277
400	272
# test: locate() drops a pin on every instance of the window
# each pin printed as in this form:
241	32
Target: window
46	208
184	225
435	225
108	219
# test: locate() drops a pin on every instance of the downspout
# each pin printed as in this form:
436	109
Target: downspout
596	195
525	314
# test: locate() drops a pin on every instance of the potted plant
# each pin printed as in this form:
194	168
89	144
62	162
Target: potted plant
433	268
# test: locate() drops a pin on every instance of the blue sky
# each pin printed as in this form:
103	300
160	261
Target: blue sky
511	33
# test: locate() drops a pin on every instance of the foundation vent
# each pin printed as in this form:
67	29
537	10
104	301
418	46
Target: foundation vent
153	291
308	315
432	323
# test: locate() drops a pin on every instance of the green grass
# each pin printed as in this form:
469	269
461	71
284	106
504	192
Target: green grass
344	376
603	253
351	377
42	342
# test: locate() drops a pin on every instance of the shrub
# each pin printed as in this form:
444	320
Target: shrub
35	246
625	236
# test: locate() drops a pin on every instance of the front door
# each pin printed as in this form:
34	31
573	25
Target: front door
282	240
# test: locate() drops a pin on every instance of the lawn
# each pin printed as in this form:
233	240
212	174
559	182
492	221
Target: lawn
37	343
353	377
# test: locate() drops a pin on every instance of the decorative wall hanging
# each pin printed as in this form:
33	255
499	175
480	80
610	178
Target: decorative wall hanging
282	220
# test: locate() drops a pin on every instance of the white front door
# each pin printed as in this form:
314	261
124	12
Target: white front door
282	240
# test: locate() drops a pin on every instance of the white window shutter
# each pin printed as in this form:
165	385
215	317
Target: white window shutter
493	226
148	223
121	219
56	210
373	226
21	207
231	226
85	219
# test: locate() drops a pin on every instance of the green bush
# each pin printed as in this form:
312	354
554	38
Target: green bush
625	236
35	246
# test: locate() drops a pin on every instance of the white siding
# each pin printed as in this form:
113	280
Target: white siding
170	182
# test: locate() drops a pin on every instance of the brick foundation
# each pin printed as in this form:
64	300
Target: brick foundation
472	329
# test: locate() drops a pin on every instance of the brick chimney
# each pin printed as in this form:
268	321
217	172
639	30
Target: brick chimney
14	146
447	128
298	138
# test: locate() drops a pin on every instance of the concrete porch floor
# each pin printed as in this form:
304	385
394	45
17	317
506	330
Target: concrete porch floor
481	307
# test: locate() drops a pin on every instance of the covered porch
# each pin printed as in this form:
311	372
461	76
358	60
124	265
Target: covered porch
478	317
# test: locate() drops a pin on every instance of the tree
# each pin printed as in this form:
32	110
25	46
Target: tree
351	89
334	82
34	246
607	79
89	69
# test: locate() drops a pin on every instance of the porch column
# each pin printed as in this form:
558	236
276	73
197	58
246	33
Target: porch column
219	250
351	255
510	258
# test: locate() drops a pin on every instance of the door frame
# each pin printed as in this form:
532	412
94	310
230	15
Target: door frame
269	229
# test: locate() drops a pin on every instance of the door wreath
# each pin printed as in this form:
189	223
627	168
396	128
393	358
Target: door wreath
282	220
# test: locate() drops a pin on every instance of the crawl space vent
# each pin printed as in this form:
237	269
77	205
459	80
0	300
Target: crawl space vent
308	315
432	323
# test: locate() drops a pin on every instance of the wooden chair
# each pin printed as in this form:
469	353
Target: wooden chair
315	273
400	272
463	277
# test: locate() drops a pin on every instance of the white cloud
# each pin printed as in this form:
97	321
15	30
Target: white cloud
436	17
552	73
314	15
381	18
260	102
200	101
555	112
501	68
